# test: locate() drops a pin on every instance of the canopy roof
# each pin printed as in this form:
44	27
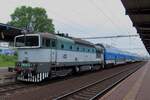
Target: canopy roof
139	13
7	32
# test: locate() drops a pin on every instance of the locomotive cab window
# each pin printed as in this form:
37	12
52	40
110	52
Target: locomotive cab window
27	41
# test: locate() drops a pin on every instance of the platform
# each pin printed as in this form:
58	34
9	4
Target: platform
135	87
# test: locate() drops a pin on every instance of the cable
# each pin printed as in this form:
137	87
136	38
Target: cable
117	17
117	36
68	19
101	11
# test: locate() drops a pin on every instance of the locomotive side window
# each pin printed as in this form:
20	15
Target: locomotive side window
46	42
70	47
83	49
53	43
62	46
77	48
93	50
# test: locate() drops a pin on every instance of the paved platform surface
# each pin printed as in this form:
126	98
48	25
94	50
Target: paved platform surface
135	87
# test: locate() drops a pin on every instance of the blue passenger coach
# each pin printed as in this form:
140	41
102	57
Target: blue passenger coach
114	56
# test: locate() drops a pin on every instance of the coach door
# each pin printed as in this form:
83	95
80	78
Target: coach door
53	51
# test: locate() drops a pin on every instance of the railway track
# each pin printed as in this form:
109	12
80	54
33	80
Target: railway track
100	87
12	88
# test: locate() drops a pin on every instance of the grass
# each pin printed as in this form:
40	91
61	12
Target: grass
7	61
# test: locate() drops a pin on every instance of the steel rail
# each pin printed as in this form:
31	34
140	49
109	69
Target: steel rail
13	87
100	94
98	82
108	37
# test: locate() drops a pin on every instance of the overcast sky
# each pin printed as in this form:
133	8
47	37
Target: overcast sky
85	18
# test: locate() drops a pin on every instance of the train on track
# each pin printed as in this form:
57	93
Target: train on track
45	55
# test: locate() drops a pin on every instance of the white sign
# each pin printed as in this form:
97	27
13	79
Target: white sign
4	44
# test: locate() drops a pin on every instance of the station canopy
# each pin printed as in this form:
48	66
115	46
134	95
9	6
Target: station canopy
139	13
7	32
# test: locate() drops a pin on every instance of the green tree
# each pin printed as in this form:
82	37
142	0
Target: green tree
35	18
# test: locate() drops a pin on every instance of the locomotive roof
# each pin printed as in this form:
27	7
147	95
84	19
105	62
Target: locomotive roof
84	42
76	40
48	35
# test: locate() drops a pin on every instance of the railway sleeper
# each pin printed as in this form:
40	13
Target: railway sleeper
86	95
80	97
89	92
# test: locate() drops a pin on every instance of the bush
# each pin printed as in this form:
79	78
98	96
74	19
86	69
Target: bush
6	60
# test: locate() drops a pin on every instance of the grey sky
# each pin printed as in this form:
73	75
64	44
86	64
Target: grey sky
84	18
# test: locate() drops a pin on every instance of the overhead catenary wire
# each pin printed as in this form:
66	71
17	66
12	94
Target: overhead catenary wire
116	17
71	22
100	11
109	37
